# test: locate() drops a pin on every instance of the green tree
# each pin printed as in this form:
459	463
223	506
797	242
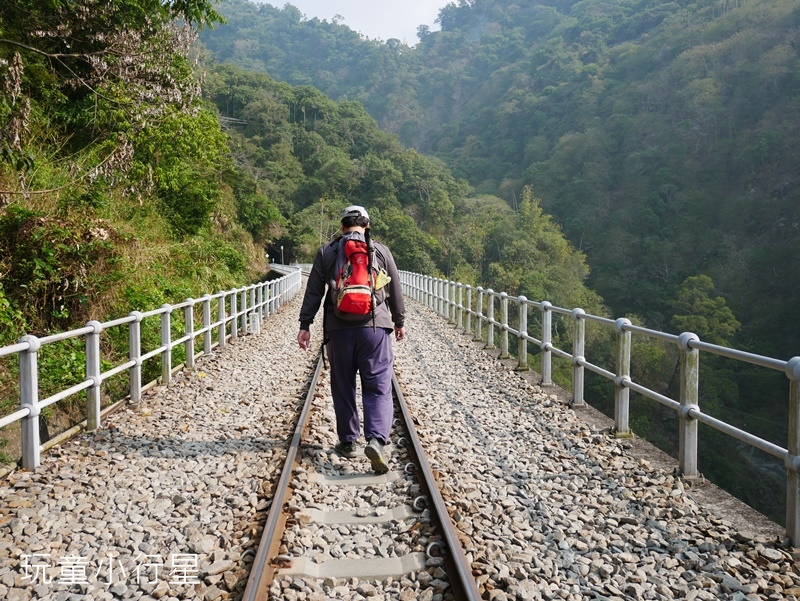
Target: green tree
181	159
700	309
100	71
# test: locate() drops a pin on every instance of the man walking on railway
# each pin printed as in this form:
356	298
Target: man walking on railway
363	304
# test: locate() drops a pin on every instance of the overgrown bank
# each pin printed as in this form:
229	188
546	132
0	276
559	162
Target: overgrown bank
116	187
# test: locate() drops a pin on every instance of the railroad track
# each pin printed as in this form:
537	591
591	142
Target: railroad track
335	527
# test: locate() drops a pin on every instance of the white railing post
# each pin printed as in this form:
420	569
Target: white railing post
429	297
451	302
490	319
135	355
93	373
234	316
29	399
504	326
207	324
253	314
793	458
260	307
222	328
243	310
578	341
522	341
468	329
188	318
547	342
621	392
460	319
479	316
273	296
443	298
689	396
166	342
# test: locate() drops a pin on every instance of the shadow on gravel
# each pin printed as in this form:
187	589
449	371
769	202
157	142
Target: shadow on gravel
176	448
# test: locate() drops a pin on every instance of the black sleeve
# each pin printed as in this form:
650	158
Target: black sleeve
315	291
395	301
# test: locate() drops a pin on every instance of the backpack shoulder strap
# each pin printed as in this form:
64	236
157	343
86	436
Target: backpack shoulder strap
329	253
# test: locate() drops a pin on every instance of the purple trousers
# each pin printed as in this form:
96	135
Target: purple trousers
369	353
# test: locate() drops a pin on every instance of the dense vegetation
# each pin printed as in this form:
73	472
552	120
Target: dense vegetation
662	137
116	185
122	192
314	156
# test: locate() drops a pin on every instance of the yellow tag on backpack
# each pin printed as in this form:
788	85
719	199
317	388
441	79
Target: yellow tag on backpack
382	279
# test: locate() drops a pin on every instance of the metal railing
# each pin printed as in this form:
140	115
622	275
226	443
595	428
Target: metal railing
239	311
447	298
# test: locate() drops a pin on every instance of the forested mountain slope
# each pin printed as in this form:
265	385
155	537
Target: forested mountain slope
312	156
662	135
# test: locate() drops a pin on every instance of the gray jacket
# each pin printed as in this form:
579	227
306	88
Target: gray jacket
389	314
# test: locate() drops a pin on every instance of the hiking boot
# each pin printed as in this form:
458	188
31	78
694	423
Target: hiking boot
374	452
346	449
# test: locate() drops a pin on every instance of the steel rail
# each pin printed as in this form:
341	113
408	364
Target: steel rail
465	586
262	571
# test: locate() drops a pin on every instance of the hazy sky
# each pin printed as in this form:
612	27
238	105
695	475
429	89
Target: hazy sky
382	19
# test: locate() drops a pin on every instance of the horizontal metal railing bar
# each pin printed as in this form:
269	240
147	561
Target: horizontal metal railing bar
597	369
153	312
746	437
651	333
651	394
182	339
153	353
530	338
118	369
561	311
510	330
597	319
752	358
12	417
182	305
65	393
559	353
13	349
66	335
117	322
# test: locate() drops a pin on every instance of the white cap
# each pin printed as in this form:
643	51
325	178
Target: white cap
355	211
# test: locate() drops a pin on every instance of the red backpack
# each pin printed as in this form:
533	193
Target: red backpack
355	286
